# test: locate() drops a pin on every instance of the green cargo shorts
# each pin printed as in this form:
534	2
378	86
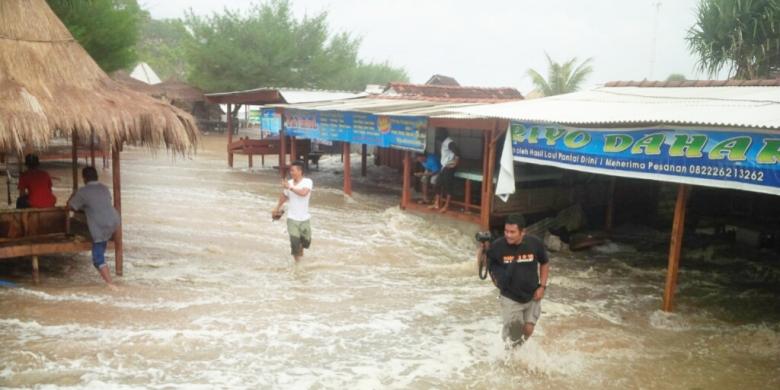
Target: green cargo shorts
300	236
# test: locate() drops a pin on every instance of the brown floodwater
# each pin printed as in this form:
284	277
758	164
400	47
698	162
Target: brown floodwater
384	299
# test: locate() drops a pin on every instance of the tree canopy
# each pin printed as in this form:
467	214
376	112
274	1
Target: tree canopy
107	29
742	35
561	78
268	46
676	77
163	45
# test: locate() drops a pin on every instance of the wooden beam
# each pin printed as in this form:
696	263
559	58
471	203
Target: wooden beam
363	160
250	160
347	169
407	179
75	160
230	133
117	181
675	246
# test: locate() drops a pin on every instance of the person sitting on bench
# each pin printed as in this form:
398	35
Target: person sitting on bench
34	186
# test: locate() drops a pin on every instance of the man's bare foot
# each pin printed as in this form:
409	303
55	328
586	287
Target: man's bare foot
112	287
433	207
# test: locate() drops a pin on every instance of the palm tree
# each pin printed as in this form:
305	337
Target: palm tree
561	78
743	35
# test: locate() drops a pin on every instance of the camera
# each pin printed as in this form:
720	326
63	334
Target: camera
482	237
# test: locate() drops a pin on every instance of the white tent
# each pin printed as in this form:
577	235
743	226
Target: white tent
143	72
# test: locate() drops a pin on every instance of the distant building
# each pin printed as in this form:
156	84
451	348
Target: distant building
439	79
144	72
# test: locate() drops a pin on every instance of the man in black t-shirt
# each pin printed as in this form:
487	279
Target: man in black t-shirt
519	266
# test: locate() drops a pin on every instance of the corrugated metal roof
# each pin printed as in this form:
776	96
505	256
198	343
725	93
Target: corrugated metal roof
756	107
293	96
270	95
381	106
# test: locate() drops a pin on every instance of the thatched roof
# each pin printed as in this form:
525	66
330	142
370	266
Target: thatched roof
50	86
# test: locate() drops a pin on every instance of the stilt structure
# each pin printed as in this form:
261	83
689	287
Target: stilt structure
71	94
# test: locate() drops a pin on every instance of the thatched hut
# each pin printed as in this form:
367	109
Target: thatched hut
50	87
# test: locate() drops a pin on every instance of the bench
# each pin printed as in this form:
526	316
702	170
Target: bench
37	232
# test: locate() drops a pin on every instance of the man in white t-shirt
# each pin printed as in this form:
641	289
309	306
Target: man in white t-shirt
297	191
450	156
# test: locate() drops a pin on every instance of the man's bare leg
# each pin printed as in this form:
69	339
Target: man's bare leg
436	201
105	273
446	205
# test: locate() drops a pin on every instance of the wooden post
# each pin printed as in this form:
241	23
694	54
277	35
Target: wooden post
293	149
36	274
487	178
406	190
230	133
250	160
363	160
282	153
75	160
675	247
610	204
347	169
115	168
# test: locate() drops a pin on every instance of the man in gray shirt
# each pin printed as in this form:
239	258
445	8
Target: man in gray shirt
102	219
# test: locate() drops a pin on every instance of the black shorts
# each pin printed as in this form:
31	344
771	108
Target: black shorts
446	181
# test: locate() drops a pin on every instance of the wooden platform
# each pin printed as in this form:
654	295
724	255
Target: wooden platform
35	232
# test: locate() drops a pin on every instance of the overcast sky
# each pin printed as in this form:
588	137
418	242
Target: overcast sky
494	42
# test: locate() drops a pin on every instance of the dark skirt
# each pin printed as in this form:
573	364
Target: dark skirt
445	182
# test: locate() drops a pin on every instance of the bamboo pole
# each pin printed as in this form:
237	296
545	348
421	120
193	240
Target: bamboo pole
406	190
675	246
230	134
347	170
115	172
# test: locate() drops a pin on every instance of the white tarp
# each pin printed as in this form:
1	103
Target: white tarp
506	173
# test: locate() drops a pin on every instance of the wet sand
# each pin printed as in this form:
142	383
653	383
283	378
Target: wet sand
384	299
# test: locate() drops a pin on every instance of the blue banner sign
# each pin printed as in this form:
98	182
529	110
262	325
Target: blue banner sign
398	132
739	159
270	120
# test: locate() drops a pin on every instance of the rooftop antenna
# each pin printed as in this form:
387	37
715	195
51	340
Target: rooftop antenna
657	6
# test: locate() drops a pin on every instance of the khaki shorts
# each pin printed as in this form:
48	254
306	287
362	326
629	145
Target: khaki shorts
300	236
515	315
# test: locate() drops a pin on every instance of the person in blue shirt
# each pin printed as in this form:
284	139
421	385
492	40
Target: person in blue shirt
428	177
